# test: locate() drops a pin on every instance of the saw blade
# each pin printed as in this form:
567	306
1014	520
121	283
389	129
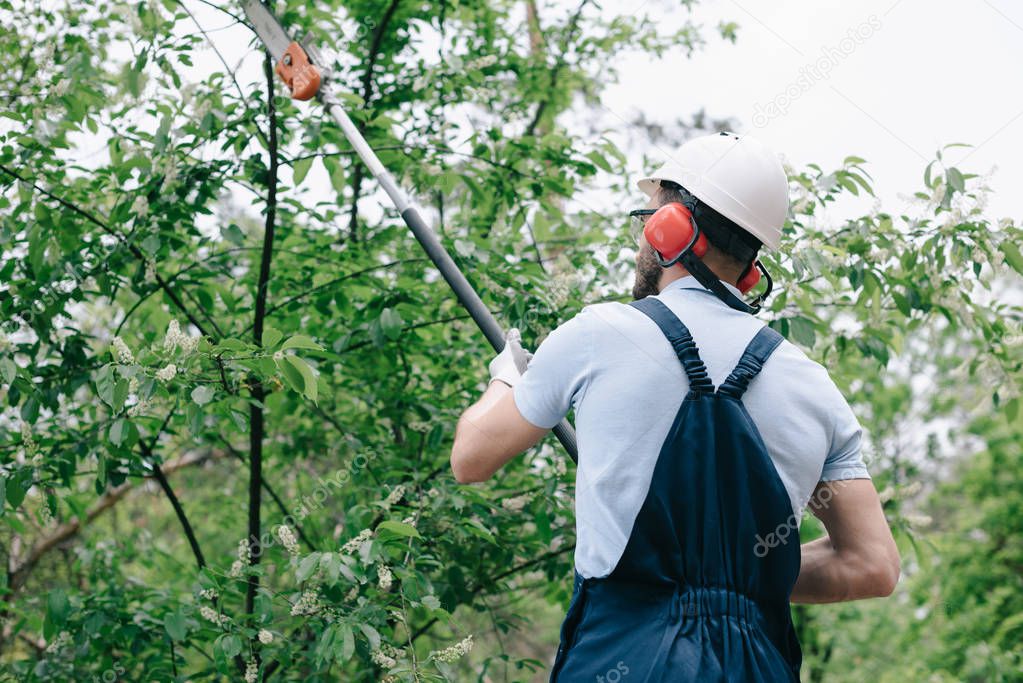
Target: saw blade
269	30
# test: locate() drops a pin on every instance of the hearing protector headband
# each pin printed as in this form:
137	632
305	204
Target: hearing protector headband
675	238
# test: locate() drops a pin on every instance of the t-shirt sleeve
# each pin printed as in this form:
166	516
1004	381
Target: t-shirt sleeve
557	374
845	460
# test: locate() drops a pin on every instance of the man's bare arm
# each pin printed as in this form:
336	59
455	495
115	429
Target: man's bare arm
858	558
490	433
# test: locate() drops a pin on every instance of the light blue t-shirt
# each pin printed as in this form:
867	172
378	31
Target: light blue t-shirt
617	369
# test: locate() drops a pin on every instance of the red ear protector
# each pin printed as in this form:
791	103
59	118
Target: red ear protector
671	231
673	234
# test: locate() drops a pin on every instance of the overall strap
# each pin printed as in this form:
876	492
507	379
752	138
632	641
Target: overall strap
681	341
751	362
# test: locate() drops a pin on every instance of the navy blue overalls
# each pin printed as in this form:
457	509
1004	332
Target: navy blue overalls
695	597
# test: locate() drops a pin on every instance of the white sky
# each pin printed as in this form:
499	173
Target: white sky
925	73
920	74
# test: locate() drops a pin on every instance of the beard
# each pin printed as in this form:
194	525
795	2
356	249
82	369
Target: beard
648	273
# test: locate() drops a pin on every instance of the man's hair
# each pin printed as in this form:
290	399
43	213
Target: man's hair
739	246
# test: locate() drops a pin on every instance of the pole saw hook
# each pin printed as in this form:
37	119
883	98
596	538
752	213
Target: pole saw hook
300	75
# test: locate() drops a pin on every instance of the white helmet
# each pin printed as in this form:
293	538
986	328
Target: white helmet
737	176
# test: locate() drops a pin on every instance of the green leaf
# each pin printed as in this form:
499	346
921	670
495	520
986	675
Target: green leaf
336	173
956	180
118	430
300	341
300	168
398	529
371	635
307	383
802	331
347	643
57	607
271	337
230	645
8	369
1012	409
307	566
202	394
230	344
232	233
1012	255
176	625
598	159
17	486
120	394
391	323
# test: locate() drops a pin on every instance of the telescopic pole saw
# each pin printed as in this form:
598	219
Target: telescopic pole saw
297	66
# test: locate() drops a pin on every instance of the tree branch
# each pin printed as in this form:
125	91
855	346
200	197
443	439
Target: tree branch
135	251
573	27
492	581
367	92
259	391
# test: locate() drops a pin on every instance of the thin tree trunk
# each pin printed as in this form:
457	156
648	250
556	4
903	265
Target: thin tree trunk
259	391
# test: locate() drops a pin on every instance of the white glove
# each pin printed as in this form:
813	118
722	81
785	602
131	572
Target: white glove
509	365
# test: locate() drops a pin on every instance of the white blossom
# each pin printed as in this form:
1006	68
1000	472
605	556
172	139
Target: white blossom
139	408
236	569
167	373
308	604
517	503
454	652
140	207
265	636
886	494
62	640
122	353
559	467
177	339
385	578
354	544
382	659
394	496
917	520
912	489
208	593
251	671
287	538
211	615
27	441
482	62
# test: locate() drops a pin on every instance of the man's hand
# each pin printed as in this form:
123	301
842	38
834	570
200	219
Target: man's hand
509	365
858	558
492	431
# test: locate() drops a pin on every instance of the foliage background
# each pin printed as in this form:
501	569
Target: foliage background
154	191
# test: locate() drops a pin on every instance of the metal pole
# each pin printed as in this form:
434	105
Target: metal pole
467	296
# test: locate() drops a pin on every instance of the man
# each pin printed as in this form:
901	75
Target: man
702	435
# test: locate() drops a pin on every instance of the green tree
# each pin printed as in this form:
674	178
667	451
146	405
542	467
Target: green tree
185	312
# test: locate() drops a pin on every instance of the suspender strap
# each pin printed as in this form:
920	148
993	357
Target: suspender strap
681	341
751	362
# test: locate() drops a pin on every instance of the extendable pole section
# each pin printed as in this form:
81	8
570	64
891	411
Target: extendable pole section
303	78
467	296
